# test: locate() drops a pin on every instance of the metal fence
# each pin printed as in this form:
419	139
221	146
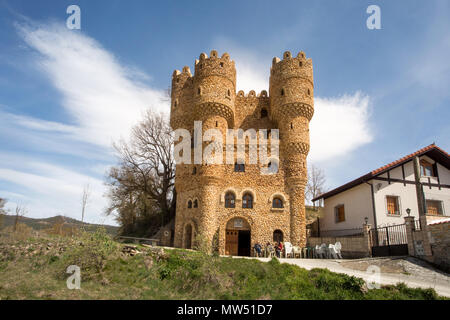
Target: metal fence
389	235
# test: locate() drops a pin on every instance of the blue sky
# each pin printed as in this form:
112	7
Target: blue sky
65	95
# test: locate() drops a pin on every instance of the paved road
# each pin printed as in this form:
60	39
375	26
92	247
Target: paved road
417	274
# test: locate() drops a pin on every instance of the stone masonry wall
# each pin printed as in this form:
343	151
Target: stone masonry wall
210	96
440	244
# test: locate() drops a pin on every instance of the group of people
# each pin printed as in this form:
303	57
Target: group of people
278	247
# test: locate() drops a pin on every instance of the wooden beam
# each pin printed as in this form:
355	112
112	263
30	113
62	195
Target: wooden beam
403	175
412	182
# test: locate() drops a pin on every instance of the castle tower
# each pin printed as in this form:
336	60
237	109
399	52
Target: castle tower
292	107
238	203
209	97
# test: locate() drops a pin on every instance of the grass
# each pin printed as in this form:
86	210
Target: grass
173	274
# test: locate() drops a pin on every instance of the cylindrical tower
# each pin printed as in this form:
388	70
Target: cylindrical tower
292	107
209	97
214	96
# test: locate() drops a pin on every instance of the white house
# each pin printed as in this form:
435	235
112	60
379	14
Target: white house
382	196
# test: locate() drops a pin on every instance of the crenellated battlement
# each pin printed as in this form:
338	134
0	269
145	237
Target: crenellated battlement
252	94
290	66
215	66
211	90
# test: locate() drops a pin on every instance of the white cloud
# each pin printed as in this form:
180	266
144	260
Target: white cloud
339	126
54	190
103	98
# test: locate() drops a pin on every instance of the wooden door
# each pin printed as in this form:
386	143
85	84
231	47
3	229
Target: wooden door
231	242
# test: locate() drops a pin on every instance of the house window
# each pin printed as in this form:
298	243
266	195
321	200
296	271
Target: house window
434	207
277	203
190	204
195	203
339	213
426	169
239	167
392	204
247	201
194	170
278	236
230	200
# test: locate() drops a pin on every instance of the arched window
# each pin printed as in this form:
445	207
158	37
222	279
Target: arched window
263	113
194	170
278	236
195	203
189	204
277	203
247	201
282	92
230	200
239	167
273	167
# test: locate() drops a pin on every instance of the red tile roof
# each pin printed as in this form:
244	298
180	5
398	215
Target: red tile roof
428	149
408	157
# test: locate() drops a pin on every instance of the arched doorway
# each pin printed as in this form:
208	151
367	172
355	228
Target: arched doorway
237	237
188	236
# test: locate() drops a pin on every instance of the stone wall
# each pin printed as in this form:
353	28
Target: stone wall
210	96
431	242
440	244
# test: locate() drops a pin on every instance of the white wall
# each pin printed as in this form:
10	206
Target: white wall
357	203
407	195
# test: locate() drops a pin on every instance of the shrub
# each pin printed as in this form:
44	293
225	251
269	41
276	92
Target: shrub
91	253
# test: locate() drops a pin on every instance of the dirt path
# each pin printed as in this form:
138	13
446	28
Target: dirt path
413	272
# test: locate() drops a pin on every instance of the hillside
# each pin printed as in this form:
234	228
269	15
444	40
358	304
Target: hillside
46	223
36	269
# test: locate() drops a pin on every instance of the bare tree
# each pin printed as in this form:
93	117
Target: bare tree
84	200
21	211
316	183
2	210
142	185
2	205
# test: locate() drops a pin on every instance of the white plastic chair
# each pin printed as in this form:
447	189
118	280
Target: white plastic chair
332	251
288	250
318	252
324	250
338	247
297	251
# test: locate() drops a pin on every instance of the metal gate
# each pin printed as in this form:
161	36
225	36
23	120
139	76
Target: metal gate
389	241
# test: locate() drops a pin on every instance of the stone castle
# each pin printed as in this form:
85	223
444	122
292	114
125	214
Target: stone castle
234	206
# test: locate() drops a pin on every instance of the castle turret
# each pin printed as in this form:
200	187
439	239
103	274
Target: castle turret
292	107
209	97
